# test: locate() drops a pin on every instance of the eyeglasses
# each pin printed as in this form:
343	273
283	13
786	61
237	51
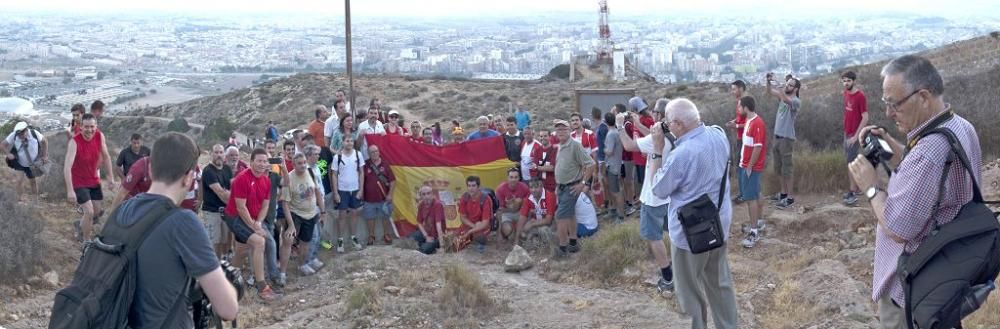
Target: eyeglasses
894	107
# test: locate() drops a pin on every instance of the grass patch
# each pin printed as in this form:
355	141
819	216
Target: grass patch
364	299
611	251
463	295
786	311
816	171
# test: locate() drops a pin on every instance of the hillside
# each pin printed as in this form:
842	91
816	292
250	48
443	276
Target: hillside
970	68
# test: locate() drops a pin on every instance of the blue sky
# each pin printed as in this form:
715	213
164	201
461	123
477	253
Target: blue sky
467	8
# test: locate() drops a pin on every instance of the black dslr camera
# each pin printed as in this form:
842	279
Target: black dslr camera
202	313
876	150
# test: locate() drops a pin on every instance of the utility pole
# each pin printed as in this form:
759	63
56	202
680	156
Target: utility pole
350	61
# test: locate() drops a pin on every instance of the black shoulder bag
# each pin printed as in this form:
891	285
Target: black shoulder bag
700	220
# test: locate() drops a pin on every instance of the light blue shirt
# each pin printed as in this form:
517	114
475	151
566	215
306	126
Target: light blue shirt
695	167
479	135
523	119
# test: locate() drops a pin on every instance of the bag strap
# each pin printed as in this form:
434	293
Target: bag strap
722	185
382	180
959	151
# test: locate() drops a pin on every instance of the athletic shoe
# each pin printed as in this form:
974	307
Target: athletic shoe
785	203
316	264
574	248
559	254
850	199
751	239
775	198
267	294
663	285
760	224
282	280
340	245
306	270
326	245
357	245
631	210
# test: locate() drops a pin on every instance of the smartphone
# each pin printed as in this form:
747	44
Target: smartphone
275	161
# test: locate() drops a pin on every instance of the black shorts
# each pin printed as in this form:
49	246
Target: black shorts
85	194
305	226
240	230
16	165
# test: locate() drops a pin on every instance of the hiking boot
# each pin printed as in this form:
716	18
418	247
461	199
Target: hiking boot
306	270
316	264
281	280
357	245
664	286
785	203
340	245
631	210
267	294
751	239
850	199
573	248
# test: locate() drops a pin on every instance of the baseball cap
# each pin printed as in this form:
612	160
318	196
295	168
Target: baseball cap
558	122
20	126
637	104
393	112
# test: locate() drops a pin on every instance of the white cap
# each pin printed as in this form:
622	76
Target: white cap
20	126
393	112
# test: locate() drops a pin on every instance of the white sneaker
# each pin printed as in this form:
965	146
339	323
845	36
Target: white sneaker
340	245
357	245
282	280
316	264
306	270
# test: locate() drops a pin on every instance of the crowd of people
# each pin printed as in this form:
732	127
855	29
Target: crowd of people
571	175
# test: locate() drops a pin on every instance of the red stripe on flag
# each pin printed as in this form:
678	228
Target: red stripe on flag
403	151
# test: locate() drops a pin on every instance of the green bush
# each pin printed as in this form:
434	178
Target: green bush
218	130
21	246
560	71
178	125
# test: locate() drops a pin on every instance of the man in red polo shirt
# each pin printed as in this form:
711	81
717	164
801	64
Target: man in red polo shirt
136	181
511	195
430	221
475	209
537	211
245	212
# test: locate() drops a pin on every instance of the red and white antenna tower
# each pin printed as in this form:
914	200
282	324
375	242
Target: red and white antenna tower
605	47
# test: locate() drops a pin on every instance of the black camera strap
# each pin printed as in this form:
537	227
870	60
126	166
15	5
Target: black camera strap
941	119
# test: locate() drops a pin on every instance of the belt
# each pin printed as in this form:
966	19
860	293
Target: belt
780	137
562	186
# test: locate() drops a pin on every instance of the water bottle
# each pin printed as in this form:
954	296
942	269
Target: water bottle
976	297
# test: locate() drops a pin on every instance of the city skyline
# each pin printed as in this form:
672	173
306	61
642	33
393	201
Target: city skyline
515	8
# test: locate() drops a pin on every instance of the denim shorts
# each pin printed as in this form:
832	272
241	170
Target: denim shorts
376	210
348	201
651	221
749	186
566	203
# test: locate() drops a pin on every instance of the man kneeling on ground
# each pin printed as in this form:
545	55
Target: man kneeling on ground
430	221
511	195
537	211
475	210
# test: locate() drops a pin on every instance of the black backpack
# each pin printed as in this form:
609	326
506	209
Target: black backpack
951	273
103	287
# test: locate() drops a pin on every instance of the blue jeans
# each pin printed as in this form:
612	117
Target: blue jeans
270	251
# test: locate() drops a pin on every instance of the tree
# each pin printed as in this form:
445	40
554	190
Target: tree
178	125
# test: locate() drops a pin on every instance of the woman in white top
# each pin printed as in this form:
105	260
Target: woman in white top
347	180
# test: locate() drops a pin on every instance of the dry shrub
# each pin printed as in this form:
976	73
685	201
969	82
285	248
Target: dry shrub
364	299
786	310
612	250
21	247
463	294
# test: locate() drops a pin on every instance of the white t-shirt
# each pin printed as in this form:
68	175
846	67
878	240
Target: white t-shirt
347	171
647	197
331	125
367	128
25	155
526	158
585	212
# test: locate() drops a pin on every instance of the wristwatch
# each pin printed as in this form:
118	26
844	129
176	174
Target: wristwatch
872	192
657	156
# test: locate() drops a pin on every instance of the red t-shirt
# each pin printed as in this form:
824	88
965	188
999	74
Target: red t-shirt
505	193
588	139
755	134
192	194
854	106
548	204
400	131
137	180
543	157
638	157
373	188
469	207
428	215
88	156
630	130
256	190
740	121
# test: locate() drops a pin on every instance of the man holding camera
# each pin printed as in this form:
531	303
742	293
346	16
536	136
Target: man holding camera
914	99
855	118
784	136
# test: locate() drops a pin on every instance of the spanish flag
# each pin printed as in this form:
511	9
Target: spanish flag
443	168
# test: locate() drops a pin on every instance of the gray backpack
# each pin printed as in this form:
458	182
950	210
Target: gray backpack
952	272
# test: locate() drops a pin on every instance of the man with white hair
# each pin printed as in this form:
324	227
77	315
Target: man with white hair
484	131
28	151
233	160
695	168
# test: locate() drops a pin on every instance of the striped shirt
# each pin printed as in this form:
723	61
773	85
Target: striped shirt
912	193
